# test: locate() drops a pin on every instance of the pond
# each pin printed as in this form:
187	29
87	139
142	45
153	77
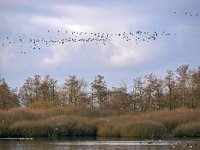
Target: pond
97	144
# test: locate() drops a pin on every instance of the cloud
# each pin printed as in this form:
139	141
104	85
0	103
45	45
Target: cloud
98	19
117	58
6	57
128	54
90	18
127	57
60	55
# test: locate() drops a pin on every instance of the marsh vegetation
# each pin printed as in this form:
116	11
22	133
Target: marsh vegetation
155	107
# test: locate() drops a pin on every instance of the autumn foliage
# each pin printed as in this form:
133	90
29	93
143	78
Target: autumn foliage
179	88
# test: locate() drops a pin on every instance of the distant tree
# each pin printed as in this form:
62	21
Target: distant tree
35	89
30	91
195	88
73	91
62	95
159	95
99	89
170	84
179	88
182	83
149	91
36	85
8	96
138	93
120	98
152	93
49	88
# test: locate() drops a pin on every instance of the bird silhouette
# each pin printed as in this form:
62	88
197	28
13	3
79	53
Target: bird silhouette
103	38
190	14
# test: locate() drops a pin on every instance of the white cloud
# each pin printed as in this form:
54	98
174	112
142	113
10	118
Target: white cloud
126	54
60	55
117	58
89	18
6	57
127	57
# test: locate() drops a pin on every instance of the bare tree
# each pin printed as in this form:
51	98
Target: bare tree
49	88
138	93
169	82
75	90
195	88
182	82
35	89
159	93
8	96
120	98
26	92
99	89
149	91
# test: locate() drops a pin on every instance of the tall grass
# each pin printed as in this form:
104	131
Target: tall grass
53	127
51	120
191	129
139	129
131	126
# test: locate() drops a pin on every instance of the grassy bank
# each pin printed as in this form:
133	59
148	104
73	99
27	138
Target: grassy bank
48	120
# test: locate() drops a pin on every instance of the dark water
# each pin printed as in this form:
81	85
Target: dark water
64	144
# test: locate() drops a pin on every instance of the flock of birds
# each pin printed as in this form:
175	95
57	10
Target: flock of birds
64	37
186	13
174	144
184	145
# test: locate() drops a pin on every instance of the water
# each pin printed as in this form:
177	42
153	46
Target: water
64	144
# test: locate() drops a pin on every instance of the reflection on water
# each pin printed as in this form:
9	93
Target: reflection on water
31	144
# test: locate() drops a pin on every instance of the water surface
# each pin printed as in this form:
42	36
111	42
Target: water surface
66	144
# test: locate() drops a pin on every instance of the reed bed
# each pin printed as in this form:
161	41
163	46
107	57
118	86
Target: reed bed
51	120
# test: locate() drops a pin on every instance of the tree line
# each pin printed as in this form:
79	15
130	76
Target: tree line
178	88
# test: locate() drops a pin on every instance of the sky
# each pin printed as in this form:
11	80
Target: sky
176	24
